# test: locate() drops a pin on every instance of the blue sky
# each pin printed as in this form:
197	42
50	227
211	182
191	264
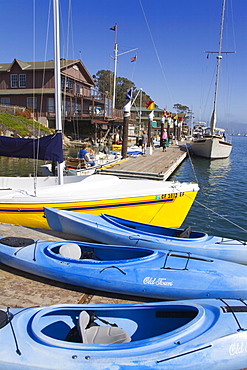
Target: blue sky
171	36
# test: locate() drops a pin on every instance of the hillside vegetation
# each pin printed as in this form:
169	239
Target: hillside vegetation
20	126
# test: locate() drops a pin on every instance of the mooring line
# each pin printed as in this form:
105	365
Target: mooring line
216	213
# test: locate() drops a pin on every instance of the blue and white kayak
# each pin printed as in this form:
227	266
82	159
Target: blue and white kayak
114	230
192	335
127	270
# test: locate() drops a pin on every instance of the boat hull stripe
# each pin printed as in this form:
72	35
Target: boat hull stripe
86	208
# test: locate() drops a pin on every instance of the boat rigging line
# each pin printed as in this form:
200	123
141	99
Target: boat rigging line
191	163
217	214
156	51
199	203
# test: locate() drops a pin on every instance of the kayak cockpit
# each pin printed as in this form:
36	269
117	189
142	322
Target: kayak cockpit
96	252
186	233
66	327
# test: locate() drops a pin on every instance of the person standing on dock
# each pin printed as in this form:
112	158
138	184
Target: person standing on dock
144	141
165	140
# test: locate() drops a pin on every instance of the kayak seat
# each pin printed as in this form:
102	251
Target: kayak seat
70	250
95	334
183	234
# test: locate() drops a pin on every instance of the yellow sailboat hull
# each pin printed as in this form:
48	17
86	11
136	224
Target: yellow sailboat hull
163	209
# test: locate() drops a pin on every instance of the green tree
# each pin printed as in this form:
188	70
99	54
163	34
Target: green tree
122	87
188	114
104	82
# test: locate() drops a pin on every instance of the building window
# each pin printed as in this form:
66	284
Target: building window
70	86
67	85
32	103
5	101
51	105
22	80
79	90
62	83
14	81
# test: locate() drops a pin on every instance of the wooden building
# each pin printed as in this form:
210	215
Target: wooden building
31	85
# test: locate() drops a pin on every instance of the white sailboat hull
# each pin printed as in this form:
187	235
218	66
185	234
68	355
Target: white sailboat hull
157	202
212	148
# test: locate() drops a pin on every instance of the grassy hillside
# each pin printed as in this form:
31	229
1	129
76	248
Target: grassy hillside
21	126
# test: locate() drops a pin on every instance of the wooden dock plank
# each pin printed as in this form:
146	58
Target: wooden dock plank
159	165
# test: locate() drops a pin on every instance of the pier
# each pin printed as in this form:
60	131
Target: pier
156	166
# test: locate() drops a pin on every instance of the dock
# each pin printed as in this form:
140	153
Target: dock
156	166
20	289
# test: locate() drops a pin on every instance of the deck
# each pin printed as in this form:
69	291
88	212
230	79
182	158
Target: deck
157	166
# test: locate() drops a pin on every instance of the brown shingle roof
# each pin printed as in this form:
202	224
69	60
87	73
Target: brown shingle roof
37	65
45	65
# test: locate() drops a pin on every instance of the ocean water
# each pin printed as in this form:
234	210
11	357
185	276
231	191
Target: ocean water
221	204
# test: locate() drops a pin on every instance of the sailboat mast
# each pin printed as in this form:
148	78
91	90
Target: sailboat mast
115	67
57	75
219	57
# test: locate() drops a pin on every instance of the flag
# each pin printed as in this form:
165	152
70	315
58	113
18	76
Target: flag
129	94
113	28
175	117
150	104
133	59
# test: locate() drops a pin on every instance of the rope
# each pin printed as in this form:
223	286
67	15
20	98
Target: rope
191	163
155	49
233	313
216	213
13	332
209	209
45	58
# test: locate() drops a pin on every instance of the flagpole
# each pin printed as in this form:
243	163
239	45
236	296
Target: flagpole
116	55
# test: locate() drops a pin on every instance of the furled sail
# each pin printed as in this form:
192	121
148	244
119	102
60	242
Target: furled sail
47	148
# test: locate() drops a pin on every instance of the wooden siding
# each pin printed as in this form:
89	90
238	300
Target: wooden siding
82	101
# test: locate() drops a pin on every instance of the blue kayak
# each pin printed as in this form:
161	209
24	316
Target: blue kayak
114	230
127	270
192	335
